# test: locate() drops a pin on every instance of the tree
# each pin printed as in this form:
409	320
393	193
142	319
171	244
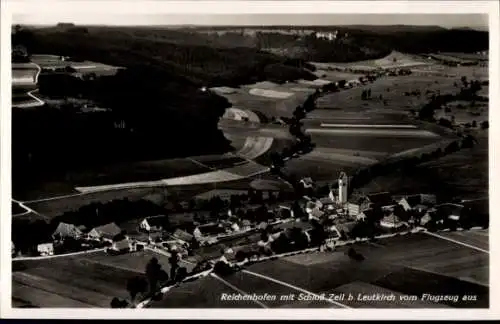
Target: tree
485	125
136	285
222	269
342	83
118	303
464	80
153	269
299	238
180	274
174	264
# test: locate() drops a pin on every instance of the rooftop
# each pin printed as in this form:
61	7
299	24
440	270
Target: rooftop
109	230
381	198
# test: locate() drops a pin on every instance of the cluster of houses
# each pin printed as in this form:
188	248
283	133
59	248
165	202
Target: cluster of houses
108	234
338	213
393	212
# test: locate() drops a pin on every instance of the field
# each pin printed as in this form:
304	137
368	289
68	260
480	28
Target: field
140	171
52	207
268	98
88	280
393	60
326	164
54	61
23	74
388	94
463	174
412	265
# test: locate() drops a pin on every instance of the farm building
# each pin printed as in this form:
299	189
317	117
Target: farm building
450	211
182	235
311	205
380	199
65	230
154	223
316	214
307	182
357	205
345	228
422	201
123	246
105	232
391	221
479	207
285	211
45	249
210	230
330	201
425	219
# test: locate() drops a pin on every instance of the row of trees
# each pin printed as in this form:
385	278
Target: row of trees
154	277
468	91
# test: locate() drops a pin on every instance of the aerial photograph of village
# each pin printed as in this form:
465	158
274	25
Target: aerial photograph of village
287	161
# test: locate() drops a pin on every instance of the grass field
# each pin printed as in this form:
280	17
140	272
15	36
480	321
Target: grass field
317	169
388	93
409	265
23	75
381	144
54	61
69	282
218	162
90	280
271	101
463	174
140	171
52	207
391	61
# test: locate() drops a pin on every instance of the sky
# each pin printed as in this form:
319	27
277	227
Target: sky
476	21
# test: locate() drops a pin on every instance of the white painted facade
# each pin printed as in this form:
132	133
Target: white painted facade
343	188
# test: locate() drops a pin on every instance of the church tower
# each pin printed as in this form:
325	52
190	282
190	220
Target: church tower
342	188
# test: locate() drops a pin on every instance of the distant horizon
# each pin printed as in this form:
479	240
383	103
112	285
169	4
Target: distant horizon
448	21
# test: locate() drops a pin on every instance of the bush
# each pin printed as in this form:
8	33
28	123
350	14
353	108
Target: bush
221	268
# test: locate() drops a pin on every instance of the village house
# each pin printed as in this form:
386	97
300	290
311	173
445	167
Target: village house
207	231
329	202
450	211
364	215
356	205
381	200
65	230
182	235
420	202
391	221
345	228
123	246
105	232
45	249
426	218
285	211
154	223
316	214
307	182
